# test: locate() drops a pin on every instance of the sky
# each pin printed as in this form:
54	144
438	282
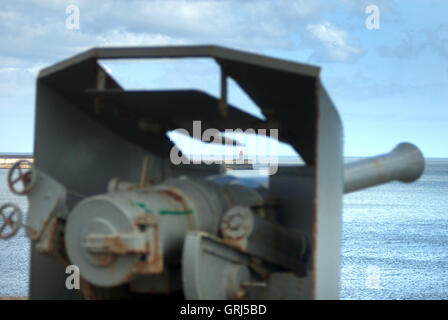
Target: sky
389	83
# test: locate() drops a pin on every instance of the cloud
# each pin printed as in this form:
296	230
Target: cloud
415	42
412	43
438	40
357	5
16	82
331	43
34	34
120	37
35	31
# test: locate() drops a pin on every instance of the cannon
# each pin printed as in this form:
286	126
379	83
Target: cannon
404	163
105	196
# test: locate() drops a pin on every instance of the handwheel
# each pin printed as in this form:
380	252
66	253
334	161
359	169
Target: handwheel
20	181
10	220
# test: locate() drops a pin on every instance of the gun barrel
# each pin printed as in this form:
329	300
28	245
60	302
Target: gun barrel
404	163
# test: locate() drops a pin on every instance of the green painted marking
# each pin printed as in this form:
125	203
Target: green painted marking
161	212
175	212
143	206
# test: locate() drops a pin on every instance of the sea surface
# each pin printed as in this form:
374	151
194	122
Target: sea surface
394	241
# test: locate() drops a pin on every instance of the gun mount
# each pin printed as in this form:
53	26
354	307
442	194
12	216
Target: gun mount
104	195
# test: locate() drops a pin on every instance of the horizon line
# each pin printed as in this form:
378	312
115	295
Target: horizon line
30	155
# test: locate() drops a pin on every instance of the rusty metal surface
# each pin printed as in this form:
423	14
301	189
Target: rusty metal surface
213	270
10	220
46	198
51	242
17	175
116	244
177	197
283	247
82	146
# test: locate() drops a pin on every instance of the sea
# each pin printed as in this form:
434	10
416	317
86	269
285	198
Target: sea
394	241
